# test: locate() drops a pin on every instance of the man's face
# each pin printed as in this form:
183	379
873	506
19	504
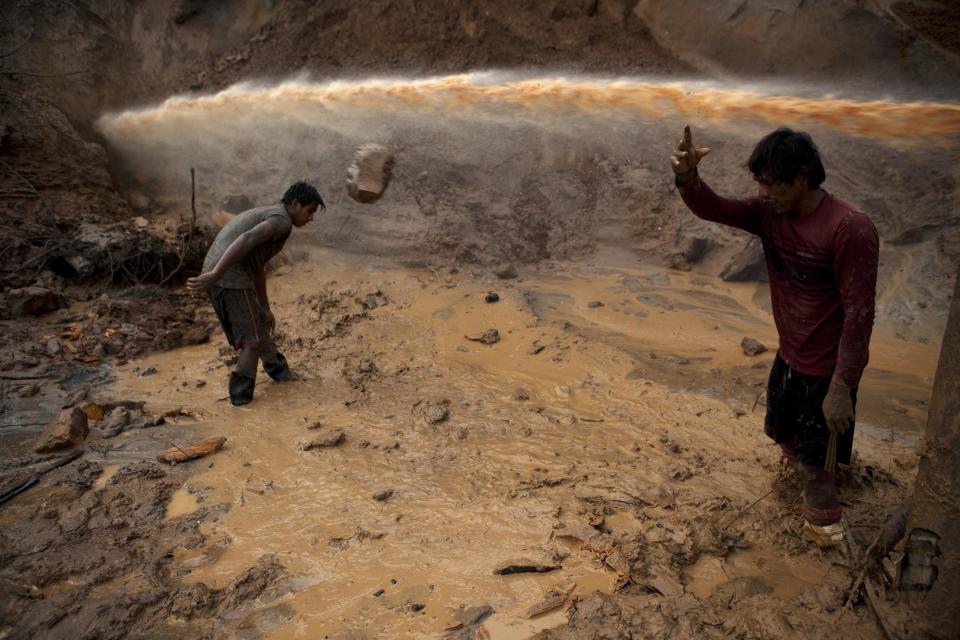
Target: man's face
782	196
302	214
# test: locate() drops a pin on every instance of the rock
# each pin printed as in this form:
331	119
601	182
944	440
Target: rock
375	300
506	271
149	371
435	412
369	173
70	429
750	265
53	347
236	203
116	421
679	262
33	301
383	496
196	335
521	394
752	347
332	439
490	336
140	222
81	266
200	383
491	297
594	304
523	565
696	248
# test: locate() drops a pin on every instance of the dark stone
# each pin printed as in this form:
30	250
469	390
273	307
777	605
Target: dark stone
750	265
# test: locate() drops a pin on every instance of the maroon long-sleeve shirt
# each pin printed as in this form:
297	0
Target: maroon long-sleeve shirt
823	276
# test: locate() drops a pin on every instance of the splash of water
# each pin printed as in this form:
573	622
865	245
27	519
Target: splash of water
468	95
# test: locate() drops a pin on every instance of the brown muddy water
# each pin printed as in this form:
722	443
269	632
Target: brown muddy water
583	417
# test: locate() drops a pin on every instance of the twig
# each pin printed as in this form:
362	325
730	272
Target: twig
28	482
193	223
42	75
33	189
743	511
25	376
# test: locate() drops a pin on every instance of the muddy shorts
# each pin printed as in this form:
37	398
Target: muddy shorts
795	415
244	320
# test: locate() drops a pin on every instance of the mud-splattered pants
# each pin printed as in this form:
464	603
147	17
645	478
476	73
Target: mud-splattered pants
795	421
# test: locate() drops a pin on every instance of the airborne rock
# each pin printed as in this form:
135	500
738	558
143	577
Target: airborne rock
369	173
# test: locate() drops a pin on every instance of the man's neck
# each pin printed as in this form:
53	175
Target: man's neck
810	201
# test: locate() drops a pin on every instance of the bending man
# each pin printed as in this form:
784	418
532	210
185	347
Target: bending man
234	274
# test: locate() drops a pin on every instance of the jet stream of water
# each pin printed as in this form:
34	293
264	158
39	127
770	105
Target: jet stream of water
469	94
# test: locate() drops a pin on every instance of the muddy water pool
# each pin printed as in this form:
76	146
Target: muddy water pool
485	452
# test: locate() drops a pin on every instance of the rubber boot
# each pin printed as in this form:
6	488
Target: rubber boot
277	368
242	383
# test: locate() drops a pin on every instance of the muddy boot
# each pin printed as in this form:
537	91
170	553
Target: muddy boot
277	368
242	383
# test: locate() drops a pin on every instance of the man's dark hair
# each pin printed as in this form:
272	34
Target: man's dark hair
303	193
782	155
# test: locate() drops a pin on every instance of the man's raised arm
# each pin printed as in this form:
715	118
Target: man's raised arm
742	213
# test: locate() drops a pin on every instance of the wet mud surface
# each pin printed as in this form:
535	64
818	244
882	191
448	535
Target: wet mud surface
616	448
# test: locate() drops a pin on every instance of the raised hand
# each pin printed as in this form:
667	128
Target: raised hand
686	157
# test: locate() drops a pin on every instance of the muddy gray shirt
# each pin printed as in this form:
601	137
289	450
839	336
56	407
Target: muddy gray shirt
240	275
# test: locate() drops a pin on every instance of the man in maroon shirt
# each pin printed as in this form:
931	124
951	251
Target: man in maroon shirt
822	261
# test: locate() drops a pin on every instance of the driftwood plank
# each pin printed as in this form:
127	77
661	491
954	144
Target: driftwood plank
193	450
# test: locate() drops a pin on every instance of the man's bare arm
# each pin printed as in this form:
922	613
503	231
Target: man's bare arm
236	252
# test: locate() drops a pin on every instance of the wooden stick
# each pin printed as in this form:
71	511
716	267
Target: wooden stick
31	480
193	223
831	461
191	451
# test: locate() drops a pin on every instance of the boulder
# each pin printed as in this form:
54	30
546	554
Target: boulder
369	173
68	430
696	249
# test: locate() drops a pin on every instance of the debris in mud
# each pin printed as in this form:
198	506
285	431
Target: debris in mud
383	496
555	599
521	394
433	412
68	430
191	451
490	336
149	371
752	346
375	300
679	262
32	301
369	174
467	622
524	565
594	304
333	439
491	297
